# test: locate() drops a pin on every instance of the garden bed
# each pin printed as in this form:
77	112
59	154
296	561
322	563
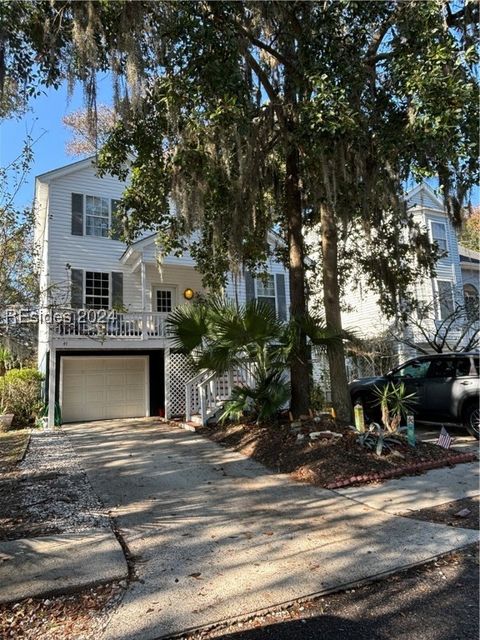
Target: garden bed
330	462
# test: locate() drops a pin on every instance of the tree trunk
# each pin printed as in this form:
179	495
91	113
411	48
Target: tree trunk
331	300
299	368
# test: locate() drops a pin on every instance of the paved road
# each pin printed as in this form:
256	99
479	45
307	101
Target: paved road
215	535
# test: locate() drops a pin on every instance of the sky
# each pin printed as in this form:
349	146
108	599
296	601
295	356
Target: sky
43	122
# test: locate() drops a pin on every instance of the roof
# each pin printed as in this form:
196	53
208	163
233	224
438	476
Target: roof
425	194
66	169
468	255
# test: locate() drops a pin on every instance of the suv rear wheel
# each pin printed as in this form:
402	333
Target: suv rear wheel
471	418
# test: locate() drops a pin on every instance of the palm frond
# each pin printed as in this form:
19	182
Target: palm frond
188	326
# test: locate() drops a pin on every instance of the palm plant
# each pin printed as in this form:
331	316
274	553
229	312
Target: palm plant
221	336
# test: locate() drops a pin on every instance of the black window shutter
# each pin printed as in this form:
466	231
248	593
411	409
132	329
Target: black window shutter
249	286
281	297
77	214
116	228
117	290
77	288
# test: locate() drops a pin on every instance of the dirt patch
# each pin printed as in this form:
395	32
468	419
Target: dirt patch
327	460
13	446
82	615
463	513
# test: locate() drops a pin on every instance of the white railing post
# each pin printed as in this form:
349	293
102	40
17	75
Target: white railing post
51	387
188	402
203	409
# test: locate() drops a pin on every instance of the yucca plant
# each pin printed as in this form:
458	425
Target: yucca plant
376	438
394	404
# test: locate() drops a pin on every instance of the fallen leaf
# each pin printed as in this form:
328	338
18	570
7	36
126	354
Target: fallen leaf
463	513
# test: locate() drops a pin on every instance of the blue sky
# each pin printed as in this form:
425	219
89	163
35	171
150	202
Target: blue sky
44	121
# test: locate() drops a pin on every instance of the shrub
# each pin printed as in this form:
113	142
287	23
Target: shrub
20	394
265	399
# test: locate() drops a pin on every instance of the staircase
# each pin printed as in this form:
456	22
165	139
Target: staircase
206	392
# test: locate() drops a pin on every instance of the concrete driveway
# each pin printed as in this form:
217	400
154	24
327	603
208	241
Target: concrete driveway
215	535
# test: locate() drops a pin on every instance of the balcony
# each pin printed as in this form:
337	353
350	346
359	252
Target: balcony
102	324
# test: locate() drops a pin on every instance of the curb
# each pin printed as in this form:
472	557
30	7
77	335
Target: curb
403	471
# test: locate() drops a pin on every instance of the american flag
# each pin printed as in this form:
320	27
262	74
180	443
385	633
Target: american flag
444	440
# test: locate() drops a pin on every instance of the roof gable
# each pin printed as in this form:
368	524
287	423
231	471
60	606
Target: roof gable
424	196
67	169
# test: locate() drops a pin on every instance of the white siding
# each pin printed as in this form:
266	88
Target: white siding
41	257
364	314
423	196
235	288
65	251
176	277
83	252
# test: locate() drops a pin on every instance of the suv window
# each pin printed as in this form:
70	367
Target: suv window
463	366
415	369
476	362
442	368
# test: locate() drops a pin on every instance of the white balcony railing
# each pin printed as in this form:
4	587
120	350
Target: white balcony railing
102	324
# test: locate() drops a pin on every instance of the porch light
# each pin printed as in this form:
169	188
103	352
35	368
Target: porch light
188	294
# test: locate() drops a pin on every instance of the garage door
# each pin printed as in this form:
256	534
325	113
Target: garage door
103	388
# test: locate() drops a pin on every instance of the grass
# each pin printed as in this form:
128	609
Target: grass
13	445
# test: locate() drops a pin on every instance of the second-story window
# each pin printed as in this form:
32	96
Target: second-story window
266	290
439	235
97	290
97	216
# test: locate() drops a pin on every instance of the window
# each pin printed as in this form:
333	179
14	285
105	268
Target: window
164	300
266	290
444	299
463	367
476	362
439	235
442	368
97	290
97	216
414	369
470	294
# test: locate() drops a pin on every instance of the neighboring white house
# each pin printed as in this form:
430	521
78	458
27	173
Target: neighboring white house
456	273
103	345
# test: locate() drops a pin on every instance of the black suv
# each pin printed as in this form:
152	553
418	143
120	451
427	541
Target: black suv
446	387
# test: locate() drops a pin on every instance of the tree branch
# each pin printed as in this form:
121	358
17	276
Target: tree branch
270	91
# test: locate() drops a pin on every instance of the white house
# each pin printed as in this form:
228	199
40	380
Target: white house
457	273
103	344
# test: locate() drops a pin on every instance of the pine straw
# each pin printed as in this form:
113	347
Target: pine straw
81	616
320	462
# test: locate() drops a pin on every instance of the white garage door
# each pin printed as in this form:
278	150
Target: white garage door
103	388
